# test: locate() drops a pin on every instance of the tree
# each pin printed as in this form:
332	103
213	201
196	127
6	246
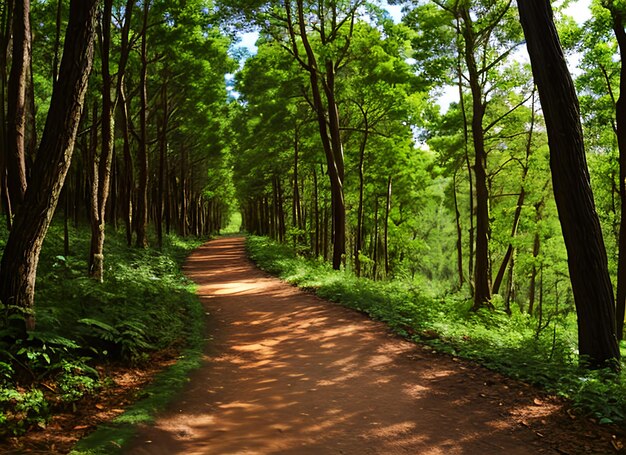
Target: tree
318	36
587	260
485	34
18	267
617	14
101	167
17	101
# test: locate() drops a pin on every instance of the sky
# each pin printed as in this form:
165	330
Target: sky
578	9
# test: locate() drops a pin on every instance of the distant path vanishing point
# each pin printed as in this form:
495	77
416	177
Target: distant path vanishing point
289	373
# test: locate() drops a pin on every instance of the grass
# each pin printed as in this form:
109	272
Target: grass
512	344
145	304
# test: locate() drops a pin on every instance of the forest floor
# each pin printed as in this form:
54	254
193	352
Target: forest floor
289	373
286	372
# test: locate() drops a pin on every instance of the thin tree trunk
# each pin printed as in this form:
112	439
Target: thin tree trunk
375	241
358	244
183	193
482	291
162	158
57	42
587	260
329	127
620	117
536	248
142	152
520	203
510	290
316	214
281	211
18	267
128	167
296	213
5	31
470	176
102	169
127	177
459	233
16	102
386	232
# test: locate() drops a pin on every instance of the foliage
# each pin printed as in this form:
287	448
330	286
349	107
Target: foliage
544	356
145	304
111	437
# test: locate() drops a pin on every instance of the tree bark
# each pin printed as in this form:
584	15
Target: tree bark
5	38
587	260
102	165
316	214
16	100
328	123
470	177
459	234
386	227
142	152
620	120
533	275
482	291
18	267
163	125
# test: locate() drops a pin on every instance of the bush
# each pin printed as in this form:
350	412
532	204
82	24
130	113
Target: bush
143	305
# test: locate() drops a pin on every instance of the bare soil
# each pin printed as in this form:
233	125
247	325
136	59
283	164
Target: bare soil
69	425
289	373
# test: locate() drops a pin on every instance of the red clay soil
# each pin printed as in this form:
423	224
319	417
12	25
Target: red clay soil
289	373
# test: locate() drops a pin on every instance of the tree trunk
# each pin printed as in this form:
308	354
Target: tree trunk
330	131
57	42
358	244
163	124
518	207
316	214
16	102
470	177
127	183
386	227
536	248
620	118
375	241
482	291
459	234
127	177
587	260
101	186
142	152
296	212
281	211
18	267
5	33
509	251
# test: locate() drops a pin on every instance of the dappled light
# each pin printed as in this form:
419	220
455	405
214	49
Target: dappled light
288	373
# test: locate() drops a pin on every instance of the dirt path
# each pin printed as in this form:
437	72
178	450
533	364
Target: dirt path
288	373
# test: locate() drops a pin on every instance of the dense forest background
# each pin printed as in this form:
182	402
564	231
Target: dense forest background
330	138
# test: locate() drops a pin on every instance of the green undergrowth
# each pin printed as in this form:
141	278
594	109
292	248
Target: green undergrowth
112	437
514	345
144	305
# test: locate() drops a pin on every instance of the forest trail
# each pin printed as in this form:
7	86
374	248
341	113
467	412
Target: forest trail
289	373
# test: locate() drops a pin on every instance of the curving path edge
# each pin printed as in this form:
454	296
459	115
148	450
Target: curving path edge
288	373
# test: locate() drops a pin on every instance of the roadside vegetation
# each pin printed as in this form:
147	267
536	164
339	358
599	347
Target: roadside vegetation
144	305
542	353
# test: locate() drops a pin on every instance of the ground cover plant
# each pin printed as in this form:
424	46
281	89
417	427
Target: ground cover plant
143	306
518	345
